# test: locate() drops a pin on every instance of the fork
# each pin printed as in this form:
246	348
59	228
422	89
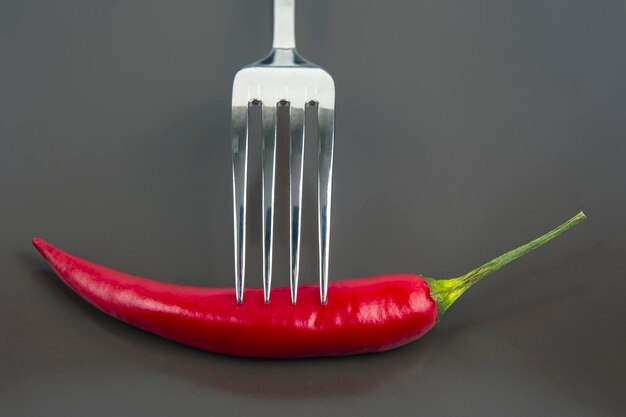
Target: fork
282	79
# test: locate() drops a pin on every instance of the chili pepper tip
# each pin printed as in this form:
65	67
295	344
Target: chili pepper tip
40	245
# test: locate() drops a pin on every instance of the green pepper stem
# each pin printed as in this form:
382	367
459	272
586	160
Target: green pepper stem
446	291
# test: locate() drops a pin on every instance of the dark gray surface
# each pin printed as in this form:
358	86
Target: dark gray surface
463	129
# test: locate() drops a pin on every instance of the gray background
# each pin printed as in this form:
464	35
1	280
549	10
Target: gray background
463	129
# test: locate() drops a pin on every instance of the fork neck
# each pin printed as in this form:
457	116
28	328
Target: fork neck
284	24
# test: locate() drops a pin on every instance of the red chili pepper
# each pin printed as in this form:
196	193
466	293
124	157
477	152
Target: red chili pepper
362	315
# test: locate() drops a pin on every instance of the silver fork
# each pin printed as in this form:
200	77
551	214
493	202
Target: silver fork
283	78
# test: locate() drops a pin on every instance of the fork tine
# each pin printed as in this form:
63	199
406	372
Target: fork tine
269	172
296	159
326	129
240	131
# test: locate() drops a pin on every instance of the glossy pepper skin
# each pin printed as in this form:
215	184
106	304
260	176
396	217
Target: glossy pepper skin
362	315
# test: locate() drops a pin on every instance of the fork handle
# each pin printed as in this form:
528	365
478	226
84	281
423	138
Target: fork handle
284	24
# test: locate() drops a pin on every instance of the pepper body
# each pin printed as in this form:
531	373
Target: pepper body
362	315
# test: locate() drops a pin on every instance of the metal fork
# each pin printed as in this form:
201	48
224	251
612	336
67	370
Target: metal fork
283	78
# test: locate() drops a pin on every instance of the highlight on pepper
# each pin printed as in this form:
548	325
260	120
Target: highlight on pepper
363	315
